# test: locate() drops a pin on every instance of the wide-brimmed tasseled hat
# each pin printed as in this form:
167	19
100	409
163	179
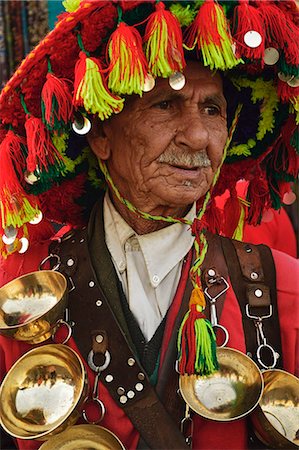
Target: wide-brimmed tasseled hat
101	51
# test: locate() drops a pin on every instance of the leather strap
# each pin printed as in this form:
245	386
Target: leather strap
143	407
252	274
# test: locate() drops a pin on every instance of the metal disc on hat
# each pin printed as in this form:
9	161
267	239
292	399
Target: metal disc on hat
24	245
30	177
271	56
37	219
8	240
10	232
293	82
284	77
253	39
177	81
289	198
81	126
149	83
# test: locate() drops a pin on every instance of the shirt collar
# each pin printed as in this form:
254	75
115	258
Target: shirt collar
162	250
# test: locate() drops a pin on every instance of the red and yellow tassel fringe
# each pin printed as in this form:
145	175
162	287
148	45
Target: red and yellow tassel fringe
90	90
128	66
164	43
210	32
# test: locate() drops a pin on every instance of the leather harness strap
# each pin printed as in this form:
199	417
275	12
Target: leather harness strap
252	274
144	409
157	422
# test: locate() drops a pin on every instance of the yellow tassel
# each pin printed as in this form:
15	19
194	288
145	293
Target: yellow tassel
90	89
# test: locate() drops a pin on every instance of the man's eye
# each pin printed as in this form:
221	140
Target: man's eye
212	110
165	104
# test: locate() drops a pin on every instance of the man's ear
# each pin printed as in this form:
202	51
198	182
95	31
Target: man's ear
98	141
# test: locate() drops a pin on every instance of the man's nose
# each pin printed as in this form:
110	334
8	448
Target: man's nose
192	133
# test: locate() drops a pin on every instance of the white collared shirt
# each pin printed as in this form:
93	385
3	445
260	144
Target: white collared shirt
149	266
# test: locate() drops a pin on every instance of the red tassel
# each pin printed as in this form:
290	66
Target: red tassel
231	213
12	194
258	196
41	151
213	217
247	18
128	66
56	102
284	158
164	43
280	30
286	92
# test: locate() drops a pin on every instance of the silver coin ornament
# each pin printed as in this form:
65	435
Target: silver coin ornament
177	81
30	177
293	82
284	77
10	231
37	219
24	245
271	56
82	126
289	198
149	83
253	39
8	240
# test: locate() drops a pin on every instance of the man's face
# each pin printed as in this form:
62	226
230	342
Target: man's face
163	149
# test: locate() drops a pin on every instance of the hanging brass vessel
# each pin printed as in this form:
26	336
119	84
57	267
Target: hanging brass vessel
31	305
276	419
228	394
43	392
82	437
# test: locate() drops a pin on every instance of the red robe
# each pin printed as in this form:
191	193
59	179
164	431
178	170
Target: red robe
208	435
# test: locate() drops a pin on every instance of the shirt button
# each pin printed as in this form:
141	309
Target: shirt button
122	266
156	279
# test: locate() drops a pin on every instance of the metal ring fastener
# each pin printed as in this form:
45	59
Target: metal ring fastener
98	368
48	258
225	333
274	355
102	410
69	329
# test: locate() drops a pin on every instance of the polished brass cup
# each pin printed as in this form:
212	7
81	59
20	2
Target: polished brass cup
83	437
31	305
228	394
276	420
43	392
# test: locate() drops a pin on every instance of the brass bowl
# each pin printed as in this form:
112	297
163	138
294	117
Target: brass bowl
276	420
31	305
228	394
43	392
83	437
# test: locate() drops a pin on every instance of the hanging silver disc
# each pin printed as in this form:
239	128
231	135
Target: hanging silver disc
283	77
81	126
253	39
37	219
177	81
24	245
8	240
149	83
10	232
30	177
289	198
293	82
271	56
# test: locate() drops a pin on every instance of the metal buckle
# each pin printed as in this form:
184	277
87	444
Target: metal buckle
259	318
213	299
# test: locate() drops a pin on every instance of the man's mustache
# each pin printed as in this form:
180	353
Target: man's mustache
185	159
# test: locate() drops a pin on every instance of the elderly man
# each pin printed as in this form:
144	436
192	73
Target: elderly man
137	319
